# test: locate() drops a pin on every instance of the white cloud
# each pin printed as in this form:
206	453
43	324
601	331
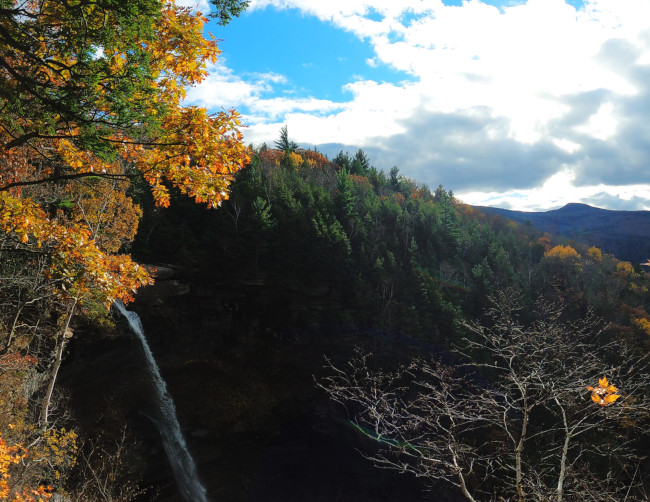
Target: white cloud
224	88
517	62
277	107
538	82
558	192
601	125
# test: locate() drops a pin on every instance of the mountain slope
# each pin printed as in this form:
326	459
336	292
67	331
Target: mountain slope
625	234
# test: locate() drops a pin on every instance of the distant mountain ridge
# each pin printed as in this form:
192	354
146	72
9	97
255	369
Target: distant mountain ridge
625	234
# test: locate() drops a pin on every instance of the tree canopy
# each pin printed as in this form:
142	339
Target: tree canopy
93	91
91	114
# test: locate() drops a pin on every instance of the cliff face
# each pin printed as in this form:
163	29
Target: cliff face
243	384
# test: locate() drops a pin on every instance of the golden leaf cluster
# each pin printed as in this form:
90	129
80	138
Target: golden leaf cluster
604	394
11	455
84	159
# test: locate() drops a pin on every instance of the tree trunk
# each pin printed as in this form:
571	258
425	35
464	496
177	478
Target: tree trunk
565	454
63	336
460	476
560	481
518	451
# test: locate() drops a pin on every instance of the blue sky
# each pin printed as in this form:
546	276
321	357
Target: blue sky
522	104
316	58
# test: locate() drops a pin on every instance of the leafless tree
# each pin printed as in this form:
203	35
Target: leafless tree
106	471
512	418
234	212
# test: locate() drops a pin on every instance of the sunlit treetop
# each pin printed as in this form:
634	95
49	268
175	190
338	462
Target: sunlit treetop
90	99
85	83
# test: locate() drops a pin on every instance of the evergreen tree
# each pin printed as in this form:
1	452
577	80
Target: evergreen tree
284	144
342	160
360	163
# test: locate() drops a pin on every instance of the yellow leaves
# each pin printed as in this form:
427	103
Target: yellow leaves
19	217
562	253
12	455
82	269
117	62
102	205
81	160
624	267
604	394
87	219
643	324
58	448
180	52
595	253
295	159
200	155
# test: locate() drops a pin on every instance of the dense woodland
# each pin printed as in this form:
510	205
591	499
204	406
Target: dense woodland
486	359
354	259
387	248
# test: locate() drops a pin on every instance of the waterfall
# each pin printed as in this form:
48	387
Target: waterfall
181	461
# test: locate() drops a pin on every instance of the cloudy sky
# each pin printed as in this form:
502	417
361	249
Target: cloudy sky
520	104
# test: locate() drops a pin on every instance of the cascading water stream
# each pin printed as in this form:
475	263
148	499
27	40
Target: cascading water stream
181	461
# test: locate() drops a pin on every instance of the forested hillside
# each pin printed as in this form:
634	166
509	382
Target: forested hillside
486	358
621	233
311	258
280	293
383	247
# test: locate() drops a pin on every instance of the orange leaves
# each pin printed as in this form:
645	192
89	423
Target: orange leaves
271	157
125	74
545	241
11	455
179	51
8	455
604	394
200	155
313	159
295	159
13	361
77	264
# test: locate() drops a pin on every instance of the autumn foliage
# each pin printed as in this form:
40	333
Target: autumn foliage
562	253
604	394
91	112
85	112
300	157
10	456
